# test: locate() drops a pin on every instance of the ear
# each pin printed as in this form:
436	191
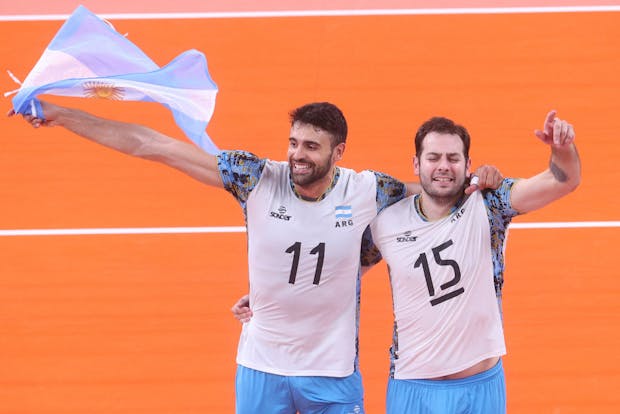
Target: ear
416	165
338	151
468	167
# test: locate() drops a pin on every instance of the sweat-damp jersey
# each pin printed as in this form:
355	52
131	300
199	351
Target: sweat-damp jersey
446	310
304	261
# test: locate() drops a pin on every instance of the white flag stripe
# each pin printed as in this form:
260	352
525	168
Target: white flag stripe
198	103
65	66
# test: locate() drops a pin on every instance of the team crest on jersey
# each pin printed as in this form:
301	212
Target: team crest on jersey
280	214
406	237
344	216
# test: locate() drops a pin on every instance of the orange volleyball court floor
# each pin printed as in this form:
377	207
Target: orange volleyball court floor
140	323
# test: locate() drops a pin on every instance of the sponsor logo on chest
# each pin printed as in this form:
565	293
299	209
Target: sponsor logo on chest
406	237
280	214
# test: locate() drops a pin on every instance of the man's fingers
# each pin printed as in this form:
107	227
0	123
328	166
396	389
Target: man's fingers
35	122
486	176
570	135
548	126
473	184
241	309
497	179
245	316
563	131
557	132
470	189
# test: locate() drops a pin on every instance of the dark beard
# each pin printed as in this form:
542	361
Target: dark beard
444	199
319	172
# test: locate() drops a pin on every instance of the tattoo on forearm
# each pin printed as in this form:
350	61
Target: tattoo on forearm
557	172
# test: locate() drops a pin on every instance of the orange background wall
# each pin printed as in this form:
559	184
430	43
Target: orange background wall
141	323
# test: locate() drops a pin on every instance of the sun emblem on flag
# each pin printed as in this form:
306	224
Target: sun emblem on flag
103	90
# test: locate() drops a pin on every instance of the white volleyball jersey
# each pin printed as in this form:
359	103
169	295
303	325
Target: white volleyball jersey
446	311
304	260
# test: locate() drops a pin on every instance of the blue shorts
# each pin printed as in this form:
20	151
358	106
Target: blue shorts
258	392
483	393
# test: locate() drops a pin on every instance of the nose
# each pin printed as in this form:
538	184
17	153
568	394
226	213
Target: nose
296	152
443	164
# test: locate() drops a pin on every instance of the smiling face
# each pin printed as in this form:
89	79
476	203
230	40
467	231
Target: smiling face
312	159
442	167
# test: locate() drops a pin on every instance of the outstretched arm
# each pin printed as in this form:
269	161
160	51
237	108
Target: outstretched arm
561	177
132	139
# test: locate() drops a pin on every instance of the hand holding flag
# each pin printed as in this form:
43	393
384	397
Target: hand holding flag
88	58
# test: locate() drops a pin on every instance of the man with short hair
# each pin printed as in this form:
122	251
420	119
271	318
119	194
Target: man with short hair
305	220
445	257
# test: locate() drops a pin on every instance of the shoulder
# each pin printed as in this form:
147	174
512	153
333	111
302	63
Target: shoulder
400	209
404	203
238	157
362	178
240	171
389	190
499	200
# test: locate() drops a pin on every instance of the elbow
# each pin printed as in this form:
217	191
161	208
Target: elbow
142	150
569	186
145	147
574	183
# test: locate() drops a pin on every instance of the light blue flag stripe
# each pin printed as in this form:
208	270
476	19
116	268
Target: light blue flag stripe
344	215
88	58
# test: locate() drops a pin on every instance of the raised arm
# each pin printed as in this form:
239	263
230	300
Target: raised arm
561	177
134	140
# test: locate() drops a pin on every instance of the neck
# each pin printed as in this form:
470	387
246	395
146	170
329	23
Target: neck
435	208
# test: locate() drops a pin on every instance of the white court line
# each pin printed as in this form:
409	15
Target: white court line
314	13
565	225
241	229
126	230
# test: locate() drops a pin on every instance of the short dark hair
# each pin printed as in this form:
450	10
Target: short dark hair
443	126
323	115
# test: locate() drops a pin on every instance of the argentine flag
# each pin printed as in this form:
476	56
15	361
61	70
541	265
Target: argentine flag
344	212
88	58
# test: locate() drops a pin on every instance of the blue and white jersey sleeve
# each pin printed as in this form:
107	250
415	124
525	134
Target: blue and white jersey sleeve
240	172
389	191
498	202
500	214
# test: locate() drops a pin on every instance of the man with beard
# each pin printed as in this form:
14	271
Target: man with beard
445	257
305	220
